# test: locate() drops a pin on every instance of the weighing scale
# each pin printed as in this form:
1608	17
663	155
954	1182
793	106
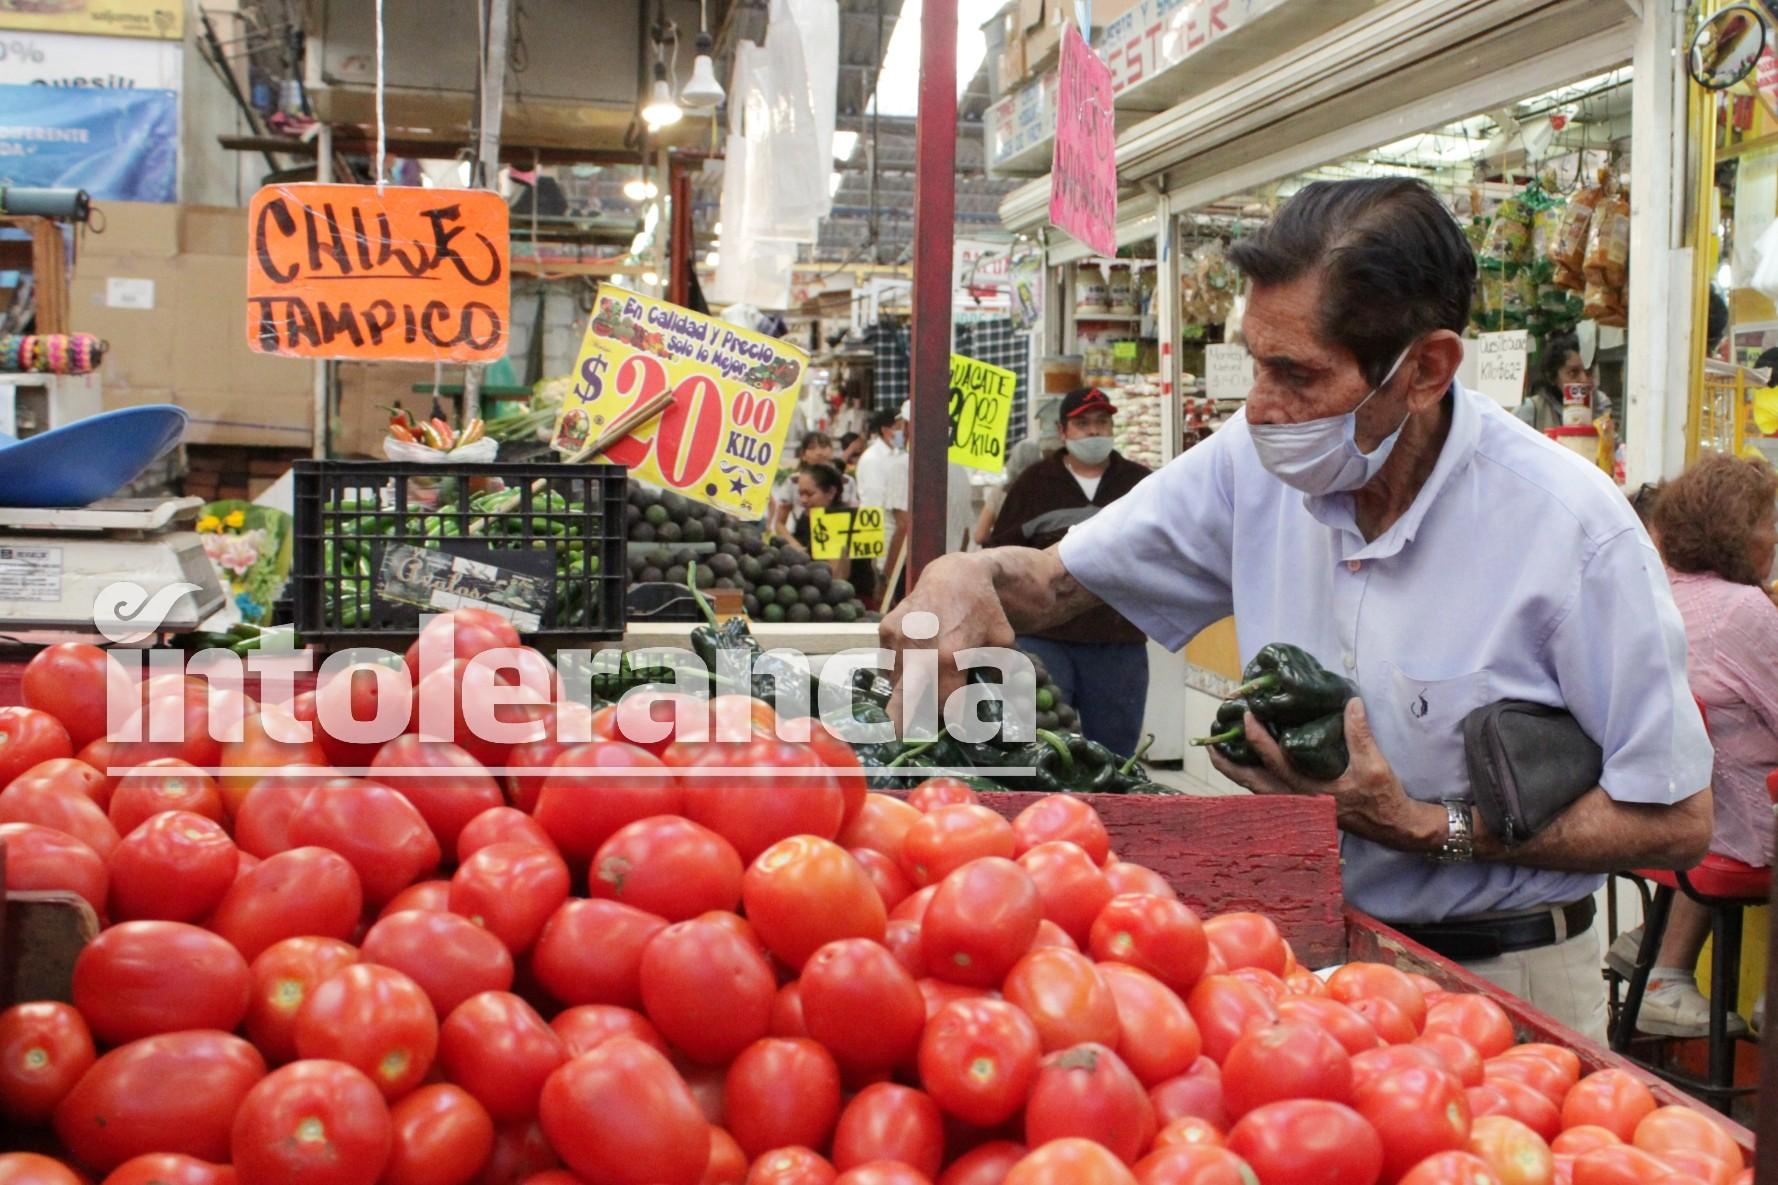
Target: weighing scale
54	563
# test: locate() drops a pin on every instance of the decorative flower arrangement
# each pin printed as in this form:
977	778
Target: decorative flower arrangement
253	561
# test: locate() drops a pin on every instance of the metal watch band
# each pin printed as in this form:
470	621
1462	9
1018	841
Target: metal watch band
1459	845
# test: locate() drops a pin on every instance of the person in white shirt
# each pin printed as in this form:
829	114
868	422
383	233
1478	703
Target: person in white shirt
883	477
1421	541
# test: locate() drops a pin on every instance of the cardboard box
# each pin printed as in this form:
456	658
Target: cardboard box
1043	49
1009	67
365	389
1031	14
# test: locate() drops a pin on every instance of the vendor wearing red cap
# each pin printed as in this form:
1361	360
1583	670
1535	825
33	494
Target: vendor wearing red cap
1099	660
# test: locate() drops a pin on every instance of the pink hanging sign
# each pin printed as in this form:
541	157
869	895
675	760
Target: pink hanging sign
1083	175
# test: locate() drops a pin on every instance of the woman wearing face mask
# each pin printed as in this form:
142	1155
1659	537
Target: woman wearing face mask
1559	367
1099	660
1417	539
821	487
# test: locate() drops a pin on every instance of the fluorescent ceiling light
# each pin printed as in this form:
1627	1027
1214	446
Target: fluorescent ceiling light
638	189
898	85
844	145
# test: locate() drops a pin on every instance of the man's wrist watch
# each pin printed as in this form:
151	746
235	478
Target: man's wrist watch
1459	845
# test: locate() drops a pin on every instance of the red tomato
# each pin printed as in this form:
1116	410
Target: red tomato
70	773
1225	1008
1073	888
1583	1138
848	771
448	789
262	818
1374	1063
312	1121
937	993
1308	1142
803	893
1619	1164
888	1122
1192	1164
1285	1061
978	1059
1612	1099
1566	1059
137	979
500	824
1350	1029
376	1020
170	1168
1125	877
933	793
45	1048
790	1166
1246	940
787	1011
42	859
1065	998
1514	1153
379	832
913	907
1274	987
882	1172
620	1114
353	701
1526	1104
1062	818
1196	1093
496	1046
781	1092
1387	1018
589	1026
284	975
60	808
1419	1111
1157	1039
1458	1056
439	1136
434	895
1157	934
175	867
570	720
981	921
1689	1166
449	957
1451	1168
73	681
1544	1077
1088	1092
1476	1019
305	891
28	736
985	1164
28	1168
512	889
885	874
255	752
881	824
707	990
863	1005
1305	983
177	1092
1070	1162
668	866
753	813
472	632
1190	1130
943	841
1050	934
590	952
595	790
727	1164
166	784
1672	1129
1361	981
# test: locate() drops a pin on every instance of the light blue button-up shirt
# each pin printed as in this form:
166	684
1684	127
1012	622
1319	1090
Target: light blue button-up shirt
1519	572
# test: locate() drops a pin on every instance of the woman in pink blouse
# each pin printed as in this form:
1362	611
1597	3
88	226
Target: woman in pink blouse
1717	528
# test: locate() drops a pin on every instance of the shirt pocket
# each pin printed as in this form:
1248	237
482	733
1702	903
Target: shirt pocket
1420	729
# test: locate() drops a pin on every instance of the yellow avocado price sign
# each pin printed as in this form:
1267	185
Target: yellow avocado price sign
733	391
981	408
846	534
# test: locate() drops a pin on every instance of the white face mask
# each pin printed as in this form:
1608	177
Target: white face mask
1322	456
1091	450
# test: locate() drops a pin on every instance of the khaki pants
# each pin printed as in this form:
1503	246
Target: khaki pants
1563	979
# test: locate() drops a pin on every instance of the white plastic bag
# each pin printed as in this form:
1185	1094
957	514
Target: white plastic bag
479	451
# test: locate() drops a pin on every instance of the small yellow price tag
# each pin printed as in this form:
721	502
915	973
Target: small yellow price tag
842	534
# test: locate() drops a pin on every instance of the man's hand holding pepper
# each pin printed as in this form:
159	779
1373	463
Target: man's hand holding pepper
1369	797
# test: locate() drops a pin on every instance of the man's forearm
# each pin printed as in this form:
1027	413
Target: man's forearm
1600	834
1034	588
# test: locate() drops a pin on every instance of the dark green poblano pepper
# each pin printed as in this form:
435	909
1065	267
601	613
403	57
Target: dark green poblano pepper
1299	702
1317	749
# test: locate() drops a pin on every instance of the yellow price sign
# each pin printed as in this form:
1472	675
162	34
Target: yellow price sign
846	534
981	408
733	392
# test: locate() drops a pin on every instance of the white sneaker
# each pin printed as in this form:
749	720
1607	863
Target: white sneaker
1621	958
1676	1008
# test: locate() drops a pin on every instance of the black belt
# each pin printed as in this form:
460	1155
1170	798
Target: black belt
1466	940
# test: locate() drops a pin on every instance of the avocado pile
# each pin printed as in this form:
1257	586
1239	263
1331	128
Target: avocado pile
780	582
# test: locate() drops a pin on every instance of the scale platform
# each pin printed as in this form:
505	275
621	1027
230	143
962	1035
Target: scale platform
55	563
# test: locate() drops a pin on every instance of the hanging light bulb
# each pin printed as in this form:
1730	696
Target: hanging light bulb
650	279
661	111
713	259
640	189
702	92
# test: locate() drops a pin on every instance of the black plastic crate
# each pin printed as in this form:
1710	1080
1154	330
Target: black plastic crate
379	543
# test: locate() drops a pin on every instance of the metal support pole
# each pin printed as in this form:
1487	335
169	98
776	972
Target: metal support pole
935	178
323	396
487	152
679	245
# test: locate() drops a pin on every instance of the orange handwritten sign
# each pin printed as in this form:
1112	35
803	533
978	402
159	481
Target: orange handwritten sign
341	271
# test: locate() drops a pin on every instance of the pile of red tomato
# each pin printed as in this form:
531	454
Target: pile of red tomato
627	969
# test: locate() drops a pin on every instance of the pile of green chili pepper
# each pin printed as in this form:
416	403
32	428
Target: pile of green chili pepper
1298	701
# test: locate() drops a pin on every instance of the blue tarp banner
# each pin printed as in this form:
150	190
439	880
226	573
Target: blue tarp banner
118	145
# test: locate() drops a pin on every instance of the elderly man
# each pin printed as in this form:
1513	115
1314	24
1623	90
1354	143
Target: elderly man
1418	539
